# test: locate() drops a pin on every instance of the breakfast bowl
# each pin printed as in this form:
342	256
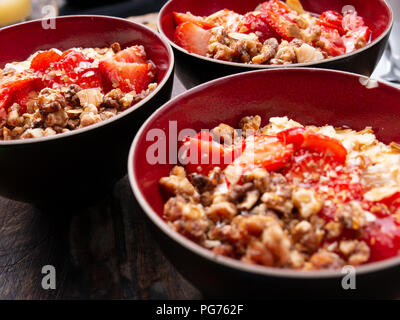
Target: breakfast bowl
76	167
194	69
306	95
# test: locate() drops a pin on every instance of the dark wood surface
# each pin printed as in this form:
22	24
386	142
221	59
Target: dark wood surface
104	252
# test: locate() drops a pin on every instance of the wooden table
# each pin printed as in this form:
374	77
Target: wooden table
104	252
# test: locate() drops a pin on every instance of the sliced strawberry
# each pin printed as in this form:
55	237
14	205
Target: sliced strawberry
302	138
383	238
332	42
278	7
325	145
280	17
188	17
44	59
270	153
202	154
5	97
132	54
293	136
333	20
230	20
126	76
72	59
258	23
74	68
192	38
352	21
356	39
17	90
263	151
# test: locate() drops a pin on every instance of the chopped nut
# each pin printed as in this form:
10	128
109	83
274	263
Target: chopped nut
221	211
307	202
177	183
90	97
249	125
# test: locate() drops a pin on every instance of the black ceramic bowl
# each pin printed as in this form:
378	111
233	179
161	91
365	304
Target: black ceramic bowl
310	96
78	167
194	69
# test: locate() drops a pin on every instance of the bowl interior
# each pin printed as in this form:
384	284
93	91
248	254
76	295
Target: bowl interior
375	12
82	31
309	96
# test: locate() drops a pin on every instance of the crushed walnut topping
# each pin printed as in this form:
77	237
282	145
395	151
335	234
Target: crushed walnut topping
313	213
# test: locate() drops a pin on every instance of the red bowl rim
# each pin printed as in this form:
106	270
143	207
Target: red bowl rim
256	66
114	118
225	261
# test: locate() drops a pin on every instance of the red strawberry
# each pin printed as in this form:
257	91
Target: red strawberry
188	17
355	39
280	8
76	69
258	23
352	21
132	54
308	139
70	60
279	16
126	76
333	44
44	59
192	38
383	238
17	90
5	97
333	20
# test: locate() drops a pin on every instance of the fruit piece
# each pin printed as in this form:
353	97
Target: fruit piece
132	54
293	136
302	138
257	22
333	20
4	97
358	33
70	60
332	42
383	238
280	8
17	90
270	153
280	17
202	154
188	17
192	38
324	144
126	76
352	21
263	151
44	59
356	39
73	67
230	20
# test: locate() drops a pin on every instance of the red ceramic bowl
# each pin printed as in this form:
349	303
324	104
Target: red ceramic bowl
310	96
194	69
77	167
